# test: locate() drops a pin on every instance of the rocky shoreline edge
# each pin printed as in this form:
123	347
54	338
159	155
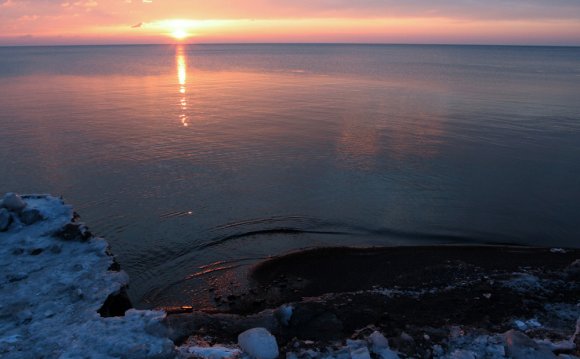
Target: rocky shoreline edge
62	295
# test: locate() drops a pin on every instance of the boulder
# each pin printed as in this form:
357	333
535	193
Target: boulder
258	343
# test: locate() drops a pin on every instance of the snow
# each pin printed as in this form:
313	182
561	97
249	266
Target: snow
524	283
258	343
13	202
51	290
215	352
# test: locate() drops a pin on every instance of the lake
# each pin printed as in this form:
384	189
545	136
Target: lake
190	159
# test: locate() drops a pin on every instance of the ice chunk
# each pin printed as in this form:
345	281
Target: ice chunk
360	353
387	353
520	346
355	344
259	343
378	341
284	314
521	325
565	345
13	202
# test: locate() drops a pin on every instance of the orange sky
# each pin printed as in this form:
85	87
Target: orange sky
551	22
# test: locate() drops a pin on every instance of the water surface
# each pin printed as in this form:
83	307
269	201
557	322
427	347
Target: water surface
184	156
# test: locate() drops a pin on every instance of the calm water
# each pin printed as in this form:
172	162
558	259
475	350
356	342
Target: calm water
186	156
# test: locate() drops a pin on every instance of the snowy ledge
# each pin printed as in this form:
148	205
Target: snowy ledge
55	278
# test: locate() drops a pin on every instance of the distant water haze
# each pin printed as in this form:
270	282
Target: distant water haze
184	156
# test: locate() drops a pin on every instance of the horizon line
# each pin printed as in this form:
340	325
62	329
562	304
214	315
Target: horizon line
294	43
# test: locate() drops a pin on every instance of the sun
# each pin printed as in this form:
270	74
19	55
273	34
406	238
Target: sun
177	29
179	34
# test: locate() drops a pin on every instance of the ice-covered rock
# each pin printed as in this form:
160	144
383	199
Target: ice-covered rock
258	343
5	219
13	202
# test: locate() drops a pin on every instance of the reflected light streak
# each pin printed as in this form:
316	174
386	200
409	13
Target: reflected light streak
181	61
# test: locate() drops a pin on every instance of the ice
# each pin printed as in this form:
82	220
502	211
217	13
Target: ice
387	354
380	346
51	290
463	354
258	343
215	352
284	314
524	283
520	346
13	202
521	325
378	341
360	353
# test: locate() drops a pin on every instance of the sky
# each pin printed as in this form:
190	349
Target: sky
521	22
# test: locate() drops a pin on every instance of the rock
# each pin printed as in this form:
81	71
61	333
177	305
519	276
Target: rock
520	346
315	322
30	216
5	219
258	343
13	202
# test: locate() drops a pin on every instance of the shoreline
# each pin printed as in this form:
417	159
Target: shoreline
359	303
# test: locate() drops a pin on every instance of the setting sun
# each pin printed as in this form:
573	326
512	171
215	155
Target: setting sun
179	34
178	28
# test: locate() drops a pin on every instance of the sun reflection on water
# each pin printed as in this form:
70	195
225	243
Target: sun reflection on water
181	60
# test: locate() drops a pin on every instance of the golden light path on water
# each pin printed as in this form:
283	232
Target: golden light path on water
181	60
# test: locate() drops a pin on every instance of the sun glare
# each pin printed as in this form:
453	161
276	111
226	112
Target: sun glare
177	29
179	34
